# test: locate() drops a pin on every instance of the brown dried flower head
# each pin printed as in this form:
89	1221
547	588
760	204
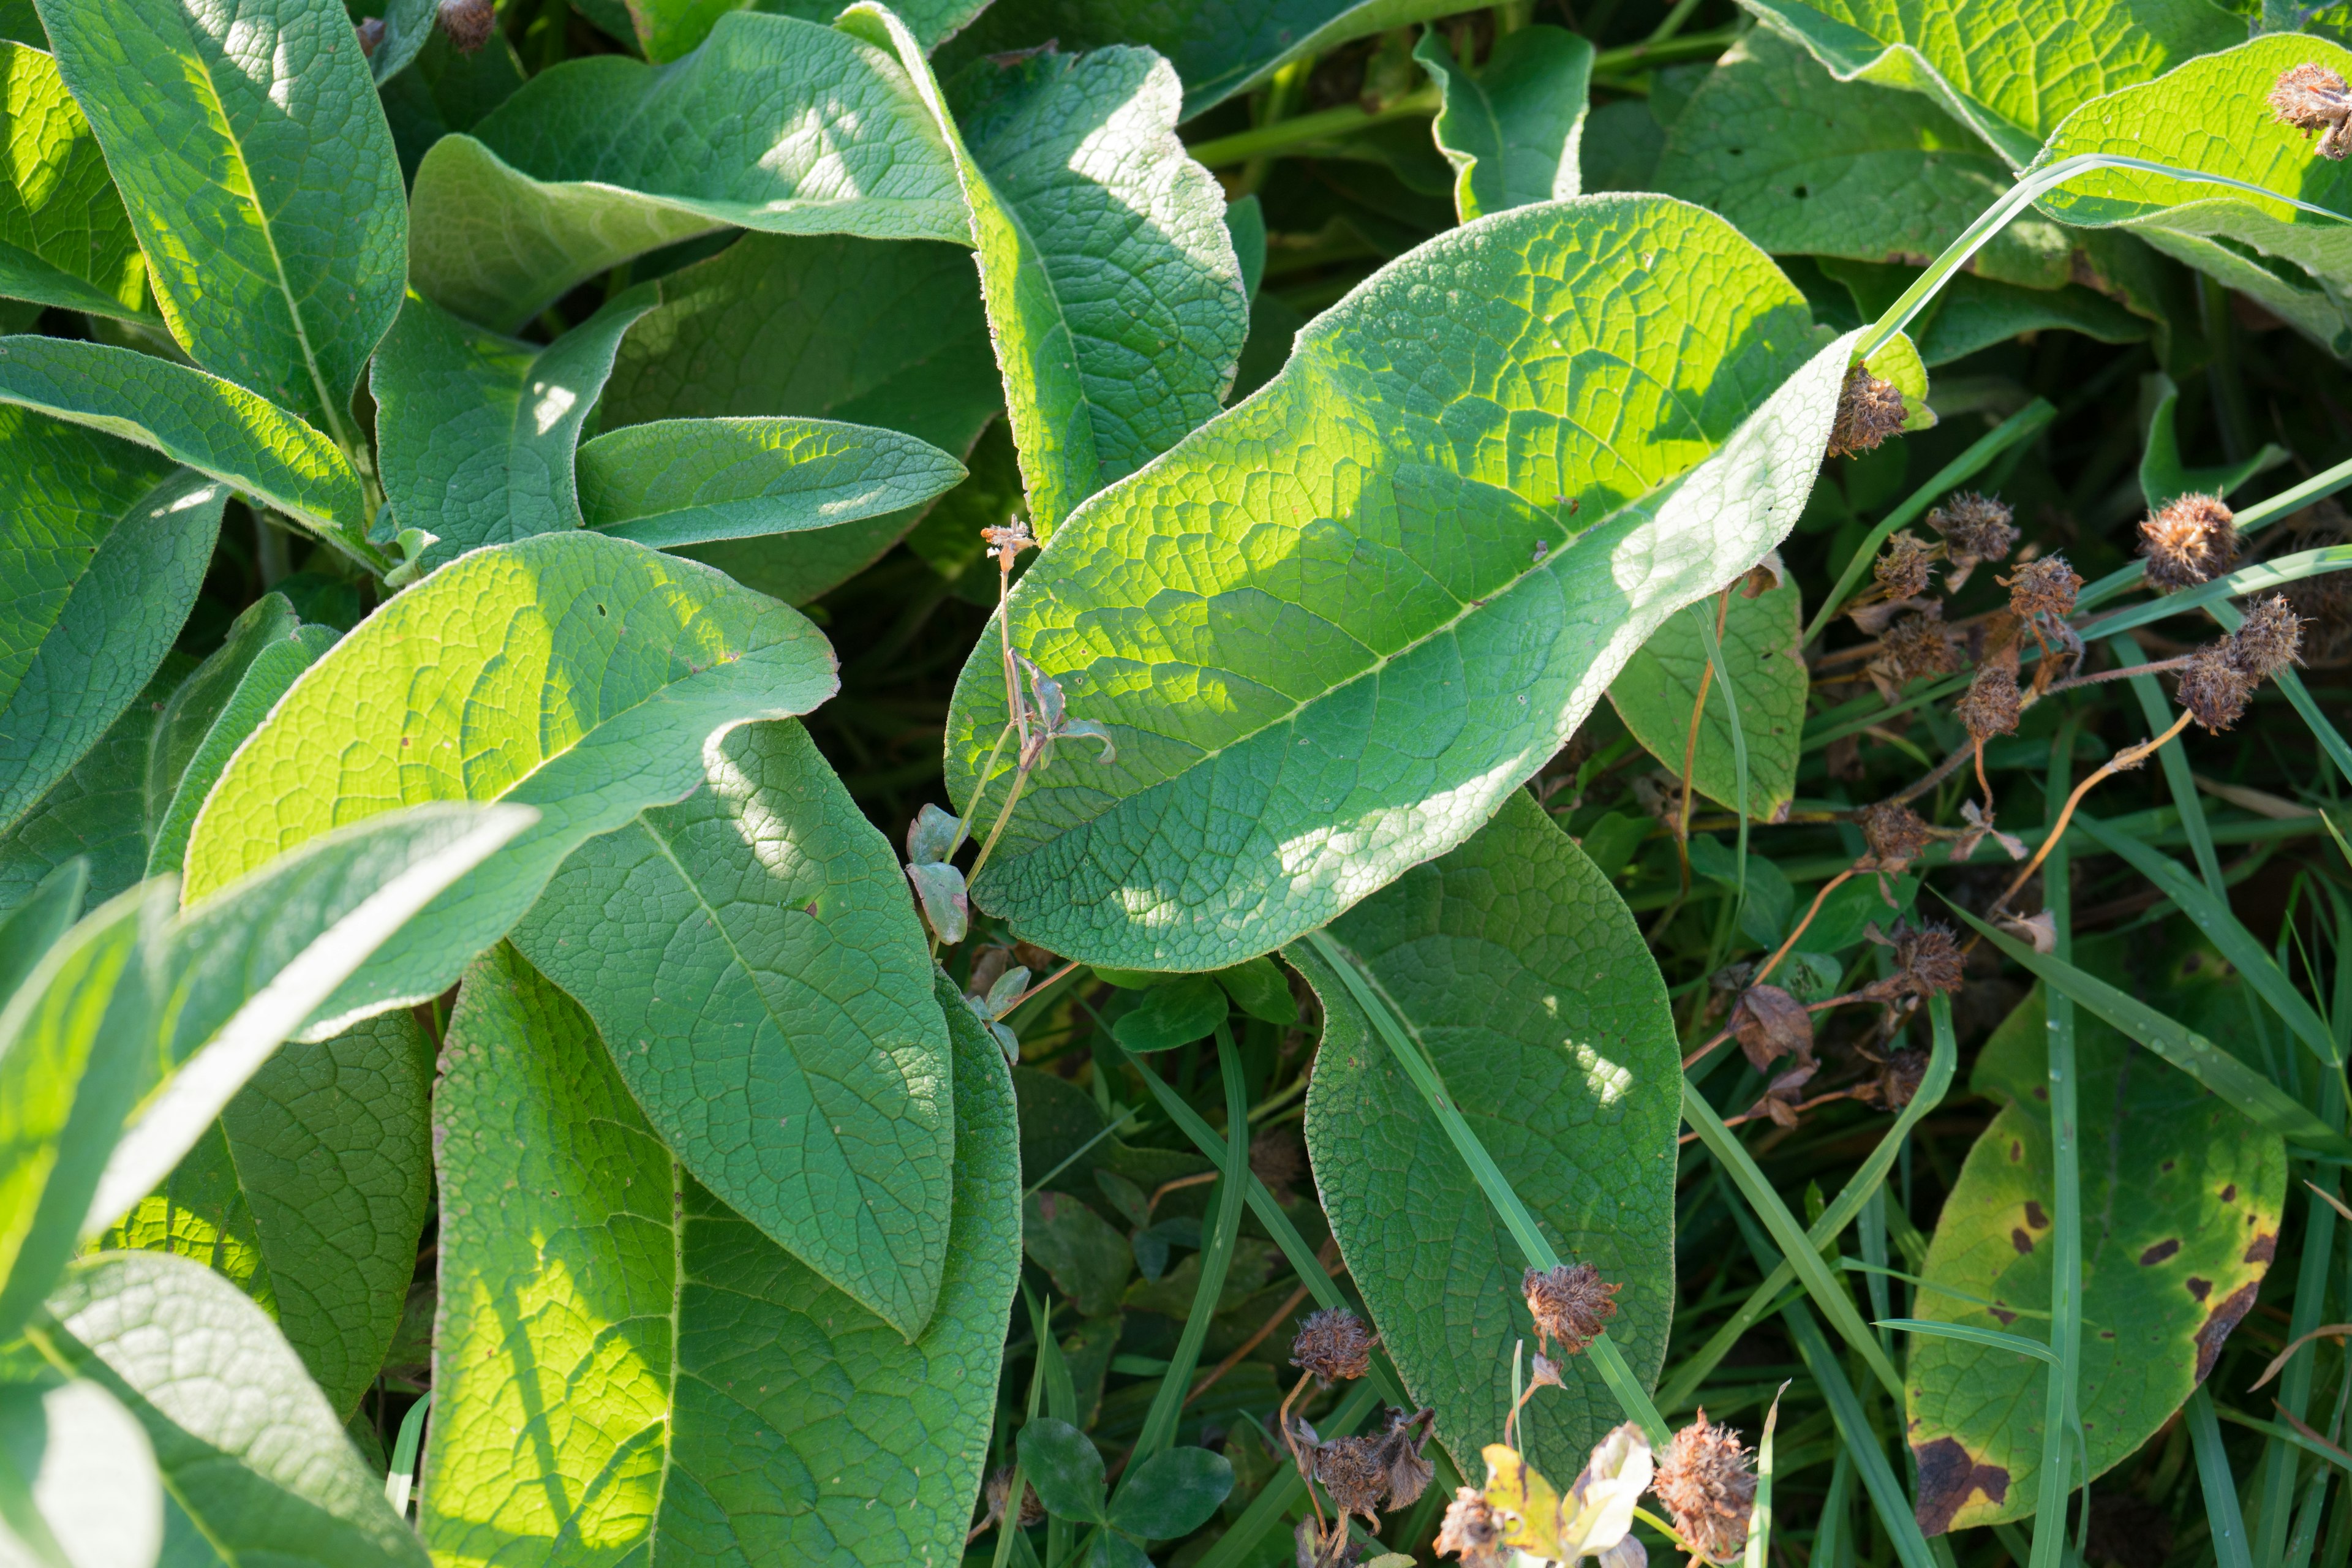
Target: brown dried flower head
2312	98
1355	1472
1405	1469
468	23
1000	1488
1869	410
2215	687
1926	957
1896	834
1974	526
371	35
1907	567
1919	645
2193	540
2046	587
1276	1159
1991	704
1770	1024
1006	543
2269	640
1473	1531
1334	1345
1569	1303
1705	1481
1316	1547
1898	1078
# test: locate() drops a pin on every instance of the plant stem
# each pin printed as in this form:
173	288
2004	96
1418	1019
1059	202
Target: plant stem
2066	1205
2129	757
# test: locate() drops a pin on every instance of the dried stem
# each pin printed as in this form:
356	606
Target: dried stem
2129	757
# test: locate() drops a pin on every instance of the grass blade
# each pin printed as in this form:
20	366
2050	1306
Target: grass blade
2175	760
1854	1430
2273	574
2059	1407
1760	1517
400	1480
2229	1549
2015	1343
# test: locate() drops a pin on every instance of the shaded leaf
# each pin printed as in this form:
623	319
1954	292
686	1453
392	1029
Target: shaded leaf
1171	1494
1086	1258
780	1032
1065	1466
1513	131
97	809
82	1463
64	239
749	1410
1523	977
1183	1010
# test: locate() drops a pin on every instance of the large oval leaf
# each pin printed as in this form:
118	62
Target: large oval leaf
97	809
64	239
1512	131
256	1465
105	549
569	671
625	1370
2180	1204
260	179
773	124
1333	629
755	953
1521	974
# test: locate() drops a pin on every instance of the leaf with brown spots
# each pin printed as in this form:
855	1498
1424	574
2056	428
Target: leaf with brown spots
2170	1178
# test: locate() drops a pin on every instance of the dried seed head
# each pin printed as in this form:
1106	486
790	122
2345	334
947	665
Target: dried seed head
1899	1076
1334	1345
371	35
2192	539
1705	1481
1926	957
1869	410
1569	1303
2312	98
2270	639
1355	1472
1917	645
1006	543
2043	587
1896	834
2214	687
468	23
1276	1159
1974	526
1000	1488
1473	1531
1905	567
1770	1024
1404	1471
1989	706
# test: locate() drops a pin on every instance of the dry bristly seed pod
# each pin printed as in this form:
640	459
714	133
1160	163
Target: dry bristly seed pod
1896	835
468	23
1000	1488
1473	1531
2192	539
1974	526
1705	1481
2312	98
1927	961
1351	1469
2215	689
1334	1345
1274	1158
2269	637
2046	587
1570	1304
1869	410
1917	645
1899	1075
1904	570
1989	706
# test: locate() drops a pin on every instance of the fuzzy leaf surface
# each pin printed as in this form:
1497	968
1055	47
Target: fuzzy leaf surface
1659	686
753	952
1513	132
1333	628
742	1408
1521	974
260	177
570	672
64	239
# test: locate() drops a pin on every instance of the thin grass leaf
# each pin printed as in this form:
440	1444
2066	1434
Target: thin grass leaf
1760	1517
400	1480
1630	1396
1862	1444
2123	579
2258	578
2229	1526
2158	711
2307	1440
2017	1344
1856	1266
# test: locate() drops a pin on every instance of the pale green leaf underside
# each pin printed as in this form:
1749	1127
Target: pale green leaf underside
744	1410
2181	1202
213	425
1113	291
573	673
1523	977
1807	165
89	1470
477	433
2008	69
833	327
260	179
2209	115
774	123
256	1466
779	1031
97	809
694	481
100	561
1659	686
1513	132
309	1193
1333	628
64	239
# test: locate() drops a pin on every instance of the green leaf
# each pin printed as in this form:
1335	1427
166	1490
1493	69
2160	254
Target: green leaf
694	481
64	239
445	92
1171	1494
407	29
783	1038
477	433
1513	131
2164	477
2208	115
33	926
854	329
309	1194
97	810
1065	1466
2182	1206
1806	164
79	1487
774	123
254	1464
1659	686
259	178
1337	625
1975	312
679	1389
1218	51
1113	291
185	720
214	427
1964	54
933	22
570	672
1176	1013
105	550
1522	976
1086	1259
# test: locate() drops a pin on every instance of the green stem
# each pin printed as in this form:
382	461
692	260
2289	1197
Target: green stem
2316	488
2067	1204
